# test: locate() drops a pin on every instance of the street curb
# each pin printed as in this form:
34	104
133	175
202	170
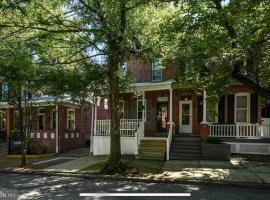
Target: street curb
140	179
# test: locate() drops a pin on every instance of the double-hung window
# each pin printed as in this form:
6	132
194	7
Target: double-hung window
157	70
41	119
2	120
4	91
53	119
71	119
242	106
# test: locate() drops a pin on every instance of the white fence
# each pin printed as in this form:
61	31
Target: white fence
131	130
239	130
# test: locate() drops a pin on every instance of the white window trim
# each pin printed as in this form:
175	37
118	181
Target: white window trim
247	94
73	110
216	112
161	77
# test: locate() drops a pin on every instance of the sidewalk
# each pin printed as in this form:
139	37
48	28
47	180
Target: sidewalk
76	165
236	172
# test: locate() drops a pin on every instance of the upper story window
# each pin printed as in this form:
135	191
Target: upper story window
71	119
157	70
242	107
124	67
4	91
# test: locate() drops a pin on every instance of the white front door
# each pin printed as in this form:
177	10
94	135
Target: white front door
185	110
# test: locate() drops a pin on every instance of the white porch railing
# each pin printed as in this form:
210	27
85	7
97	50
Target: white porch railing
128	127
239	130
169	141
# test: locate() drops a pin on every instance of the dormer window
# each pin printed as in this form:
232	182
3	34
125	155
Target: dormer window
157	70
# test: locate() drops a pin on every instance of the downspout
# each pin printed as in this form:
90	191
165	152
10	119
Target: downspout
57	129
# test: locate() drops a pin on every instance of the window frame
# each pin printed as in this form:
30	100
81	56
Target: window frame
240	94
44	119
3	120
140	100
161	70
53	118
71	110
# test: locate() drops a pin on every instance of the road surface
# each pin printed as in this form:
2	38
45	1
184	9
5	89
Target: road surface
65	188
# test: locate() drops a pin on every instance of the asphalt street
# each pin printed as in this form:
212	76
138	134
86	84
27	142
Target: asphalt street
65	188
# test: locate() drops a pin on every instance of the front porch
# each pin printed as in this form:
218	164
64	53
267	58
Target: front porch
158	111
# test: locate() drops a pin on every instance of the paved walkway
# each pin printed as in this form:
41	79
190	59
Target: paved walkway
250	172
76	165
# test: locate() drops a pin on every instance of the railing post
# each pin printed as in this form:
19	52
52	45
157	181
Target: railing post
237	130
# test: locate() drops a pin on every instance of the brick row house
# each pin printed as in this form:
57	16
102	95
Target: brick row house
56	126
157	112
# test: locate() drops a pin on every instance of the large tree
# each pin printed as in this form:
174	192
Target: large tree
215	41
84	37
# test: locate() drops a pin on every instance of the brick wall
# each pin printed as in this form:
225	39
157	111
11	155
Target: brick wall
142	71
68	139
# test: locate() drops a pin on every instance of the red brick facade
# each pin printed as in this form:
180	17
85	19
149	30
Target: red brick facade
44	141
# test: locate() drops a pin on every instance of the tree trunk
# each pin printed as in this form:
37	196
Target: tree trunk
115	149
21	129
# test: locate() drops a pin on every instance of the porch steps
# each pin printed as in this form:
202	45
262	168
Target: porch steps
185	148
152	149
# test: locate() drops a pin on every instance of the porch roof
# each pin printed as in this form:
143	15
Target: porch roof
150	86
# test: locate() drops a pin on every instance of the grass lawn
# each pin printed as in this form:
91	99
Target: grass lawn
146	166
96	168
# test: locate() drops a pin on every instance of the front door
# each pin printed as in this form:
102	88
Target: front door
162	117
185	108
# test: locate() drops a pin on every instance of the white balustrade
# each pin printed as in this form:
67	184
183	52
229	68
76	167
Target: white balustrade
239	130
128	127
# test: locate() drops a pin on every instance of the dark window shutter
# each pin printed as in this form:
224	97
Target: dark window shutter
200	109
254	108
221	109
230	106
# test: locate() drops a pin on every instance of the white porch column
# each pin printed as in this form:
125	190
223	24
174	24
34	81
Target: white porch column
204	121
95	130
171	106
92	128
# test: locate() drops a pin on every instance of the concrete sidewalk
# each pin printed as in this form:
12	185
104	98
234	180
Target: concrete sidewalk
76	165
251	172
